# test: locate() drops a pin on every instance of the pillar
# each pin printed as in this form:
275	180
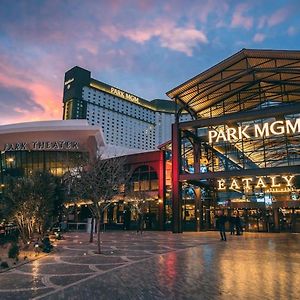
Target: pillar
162	191
198	209
276	219
176	184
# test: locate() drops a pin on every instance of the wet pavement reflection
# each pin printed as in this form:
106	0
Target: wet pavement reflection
161	265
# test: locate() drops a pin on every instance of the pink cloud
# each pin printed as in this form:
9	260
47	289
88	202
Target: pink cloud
43	97
259	37
279	16
239	19
182	39
90	46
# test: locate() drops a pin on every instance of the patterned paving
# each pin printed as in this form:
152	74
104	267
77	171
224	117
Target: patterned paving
162	265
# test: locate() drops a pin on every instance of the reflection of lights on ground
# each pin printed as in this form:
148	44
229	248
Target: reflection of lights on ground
170	267
35	274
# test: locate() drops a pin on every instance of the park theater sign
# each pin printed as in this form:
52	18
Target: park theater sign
41	145
233	134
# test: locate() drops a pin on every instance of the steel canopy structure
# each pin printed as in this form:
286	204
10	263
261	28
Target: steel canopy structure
260	76
250	104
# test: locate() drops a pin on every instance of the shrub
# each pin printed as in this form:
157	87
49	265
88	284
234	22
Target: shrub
46	244
14	251
4	265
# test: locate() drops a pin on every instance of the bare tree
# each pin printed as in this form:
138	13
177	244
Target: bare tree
100	181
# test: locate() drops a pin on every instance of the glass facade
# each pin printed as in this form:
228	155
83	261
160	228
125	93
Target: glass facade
242	149
24	163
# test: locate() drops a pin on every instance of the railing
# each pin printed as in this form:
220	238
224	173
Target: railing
77	226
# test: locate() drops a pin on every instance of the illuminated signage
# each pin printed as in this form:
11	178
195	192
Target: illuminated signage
232	134
124	95
274	183
69	81
42	145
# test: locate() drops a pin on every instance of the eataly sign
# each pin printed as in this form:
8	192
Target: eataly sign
274	181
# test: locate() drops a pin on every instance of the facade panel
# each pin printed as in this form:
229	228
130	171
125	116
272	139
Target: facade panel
126	120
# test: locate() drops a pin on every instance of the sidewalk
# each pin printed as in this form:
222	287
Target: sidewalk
162	265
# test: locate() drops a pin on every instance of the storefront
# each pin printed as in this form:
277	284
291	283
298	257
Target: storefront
53	146
240	154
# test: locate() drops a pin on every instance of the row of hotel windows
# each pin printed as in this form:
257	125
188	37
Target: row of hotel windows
118	104
121	130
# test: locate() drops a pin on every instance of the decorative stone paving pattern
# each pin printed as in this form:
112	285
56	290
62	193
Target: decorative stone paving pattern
161	265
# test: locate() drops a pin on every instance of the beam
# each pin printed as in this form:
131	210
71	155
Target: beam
267	112
242	173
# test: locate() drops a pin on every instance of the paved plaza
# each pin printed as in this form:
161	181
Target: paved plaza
162	265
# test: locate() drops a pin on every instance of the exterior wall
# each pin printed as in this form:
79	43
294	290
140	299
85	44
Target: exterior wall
123	123
51	146
126	120
156	161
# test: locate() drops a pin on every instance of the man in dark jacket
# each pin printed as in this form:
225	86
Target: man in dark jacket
222	220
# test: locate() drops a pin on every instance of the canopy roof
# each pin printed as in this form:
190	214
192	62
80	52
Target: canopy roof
246	80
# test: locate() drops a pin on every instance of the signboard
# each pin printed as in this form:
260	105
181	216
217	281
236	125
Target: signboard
42	146
274	183
233	134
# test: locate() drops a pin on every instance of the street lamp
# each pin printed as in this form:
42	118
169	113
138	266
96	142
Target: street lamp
10	161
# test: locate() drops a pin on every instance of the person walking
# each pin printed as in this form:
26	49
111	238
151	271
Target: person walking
238	225
222	220
232	223
140	222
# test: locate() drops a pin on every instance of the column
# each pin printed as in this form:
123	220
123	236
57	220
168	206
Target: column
176	184
198	209
162	191
276	219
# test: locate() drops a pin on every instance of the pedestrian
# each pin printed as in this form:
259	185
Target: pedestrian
37	247
140	222
232	223
222	220
238	225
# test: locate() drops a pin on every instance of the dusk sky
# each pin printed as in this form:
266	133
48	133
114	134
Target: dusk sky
145	47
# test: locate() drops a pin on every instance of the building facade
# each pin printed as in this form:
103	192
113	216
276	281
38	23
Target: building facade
126	120
52	146
241	154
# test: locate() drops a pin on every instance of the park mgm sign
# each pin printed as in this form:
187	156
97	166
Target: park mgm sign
272	184
41	146
233	134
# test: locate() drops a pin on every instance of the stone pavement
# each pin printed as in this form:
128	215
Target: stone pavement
162	265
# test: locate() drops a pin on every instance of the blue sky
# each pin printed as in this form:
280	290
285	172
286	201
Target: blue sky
145	47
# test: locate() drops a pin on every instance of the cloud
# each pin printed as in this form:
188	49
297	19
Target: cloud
279	16
182	39
18	98
259	37
171	36
25	95
262	21
239	19
291	31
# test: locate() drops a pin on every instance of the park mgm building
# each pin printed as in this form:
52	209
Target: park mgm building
127	121
241	151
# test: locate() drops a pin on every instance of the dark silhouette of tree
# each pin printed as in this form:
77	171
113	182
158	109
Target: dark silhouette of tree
99	182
